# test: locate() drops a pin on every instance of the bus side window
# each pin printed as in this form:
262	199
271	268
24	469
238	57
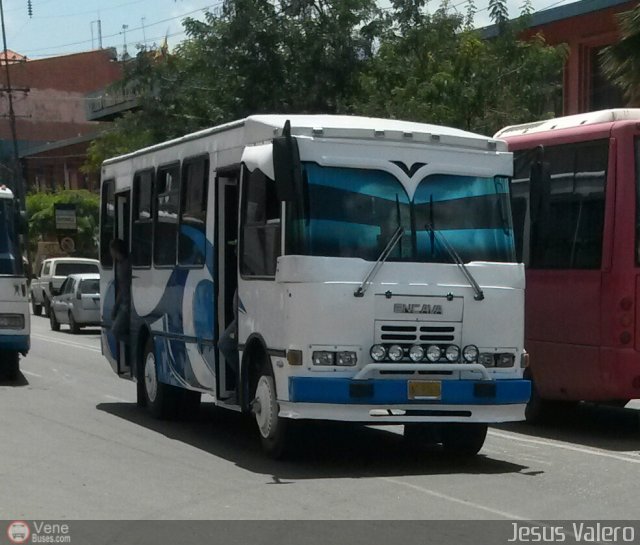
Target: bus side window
142	227
260	225
193	212
107	222
166	215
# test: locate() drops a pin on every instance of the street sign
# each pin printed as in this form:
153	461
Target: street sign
68	245
66	217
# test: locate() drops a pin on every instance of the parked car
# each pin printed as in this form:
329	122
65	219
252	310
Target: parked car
78	303
53	273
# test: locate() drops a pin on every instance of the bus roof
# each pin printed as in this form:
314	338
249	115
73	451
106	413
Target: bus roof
5	192
571	121
335	126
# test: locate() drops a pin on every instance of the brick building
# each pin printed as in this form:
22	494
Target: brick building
51	102
586	27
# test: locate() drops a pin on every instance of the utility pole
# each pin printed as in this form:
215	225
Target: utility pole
18	182
125	54
98	24
144	34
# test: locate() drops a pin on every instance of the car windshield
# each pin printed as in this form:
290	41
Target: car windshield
354	212
10	258
90	286
65	269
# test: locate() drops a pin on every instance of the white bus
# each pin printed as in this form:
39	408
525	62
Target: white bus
374	267
14	305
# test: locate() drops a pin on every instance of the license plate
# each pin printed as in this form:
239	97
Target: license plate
425	389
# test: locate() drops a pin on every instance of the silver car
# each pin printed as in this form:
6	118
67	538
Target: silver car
78	303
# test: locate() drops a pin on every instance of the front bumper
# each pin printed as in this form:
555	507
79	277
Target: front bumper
387	400
15	343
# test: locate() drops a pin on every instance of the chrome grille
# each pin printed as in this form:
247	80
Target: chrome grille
405	334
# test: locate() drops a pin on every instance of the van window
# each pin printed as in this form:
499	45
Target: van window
193	212
142	229
107	222
166	215
65	269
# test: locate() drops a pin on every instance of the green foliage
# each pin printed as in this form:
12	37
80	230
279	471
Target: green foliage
336	56
621	61
40	210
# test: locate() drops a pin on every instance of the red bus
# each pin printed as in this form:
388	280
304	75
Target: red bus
576	197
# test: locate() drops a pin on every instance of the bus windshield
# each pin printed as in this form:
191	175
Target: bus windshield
354	212
10	258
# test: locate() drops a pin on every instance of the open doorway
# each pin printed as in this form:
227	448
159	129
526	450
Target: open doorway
227	273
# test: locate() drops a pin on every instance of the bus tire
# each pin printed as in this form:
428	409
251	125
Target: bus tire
463	439
73	325
11	365
271	428
35	307
160	398
55	325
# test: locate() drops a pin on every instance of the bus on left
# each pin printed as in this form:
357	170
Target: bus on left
14	305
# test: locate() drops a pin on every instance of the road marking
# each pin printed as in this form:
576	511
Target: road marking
453	499
65	343
30	374
115	398
566	446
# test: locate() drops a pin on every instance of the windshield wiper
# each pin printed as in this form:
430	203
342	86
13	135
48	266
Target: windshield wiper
393	241
455	257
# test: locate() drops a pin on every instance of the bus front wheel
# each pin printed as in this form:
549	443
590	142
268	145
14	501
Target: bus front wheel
463	439
272	428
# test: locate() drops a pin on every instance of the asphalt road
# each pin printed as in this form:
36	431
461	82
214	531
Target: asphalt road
74	445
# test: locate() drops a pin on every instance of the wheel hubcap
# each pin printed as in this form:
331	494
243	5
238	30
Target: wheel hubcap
265	407
150	378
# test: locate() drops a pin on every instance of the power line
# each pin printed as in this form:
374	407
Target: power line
168	19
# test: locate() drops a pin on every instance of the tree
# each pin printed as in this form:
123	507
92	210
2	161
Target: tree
621	61
254	57
433	68
40	210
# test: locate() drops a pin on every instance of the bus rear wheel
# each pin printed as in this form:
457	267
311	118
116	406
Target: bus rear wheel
272	428
160	398
463	439
11	365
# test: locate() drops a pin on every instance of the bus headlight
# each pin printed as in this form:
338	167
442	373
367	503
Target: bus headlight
434	353
416	353
378	352
11	321
470	353
346	359
505	360
322	357
396	353
452	353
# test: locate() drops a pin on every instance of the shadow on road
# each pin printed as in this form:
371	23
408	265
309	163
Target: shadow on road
83	332
322	450
20	381
610	428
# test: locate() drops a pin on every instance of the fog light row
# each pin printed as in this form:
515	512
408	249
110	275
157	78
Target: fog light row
417	353
341	359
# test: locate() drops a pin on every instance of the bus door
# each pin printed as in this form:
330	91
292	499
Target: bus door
226	272
122	230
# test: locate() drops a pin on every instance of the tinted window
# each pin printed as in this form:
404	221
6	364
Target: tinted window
90	286
142	229
570	235
10	256
167	210
107	222
69	283
46	269
261	225
193	211
65	269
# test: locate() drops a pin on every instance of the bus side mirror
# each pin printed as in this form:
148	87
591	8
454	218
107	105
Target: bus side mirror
286	165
